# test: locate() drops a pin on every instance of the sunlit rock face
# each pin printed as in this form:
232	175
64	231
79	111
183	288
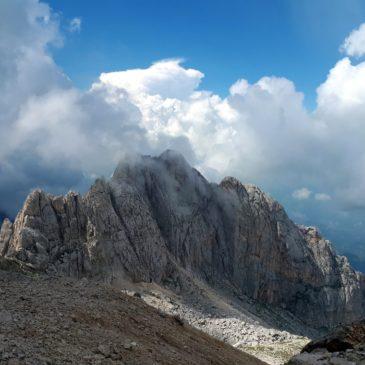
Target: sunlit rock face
158	219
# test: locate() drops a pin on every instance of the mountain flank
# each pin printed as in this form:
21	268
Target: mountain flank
158	219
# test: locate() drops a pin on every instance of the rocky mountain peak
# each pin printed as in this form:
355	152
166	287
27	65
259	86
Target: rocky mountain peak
169	159
173	157
233	184
158	219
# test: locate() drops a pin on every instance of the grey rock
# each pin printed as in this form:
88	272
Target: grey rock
345	338
130	345
104	350
343	346
5	235
5	317
158	219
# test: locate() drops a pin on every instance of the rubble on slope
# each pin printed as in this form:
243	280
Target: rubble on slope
47	320
269	334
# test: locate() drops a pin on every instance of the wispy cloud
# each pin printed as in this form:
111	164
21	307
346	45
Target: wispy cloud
301	194
75	25
322	197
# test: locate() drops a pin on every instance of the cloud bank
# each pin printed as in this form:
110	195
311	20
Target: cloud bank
58	137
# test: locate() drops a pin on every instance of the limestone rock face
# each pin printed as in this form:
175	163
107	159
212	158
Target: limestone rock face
158	219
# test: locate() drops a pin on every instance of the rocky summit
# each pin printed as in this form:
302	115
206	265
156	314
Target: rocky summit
158	220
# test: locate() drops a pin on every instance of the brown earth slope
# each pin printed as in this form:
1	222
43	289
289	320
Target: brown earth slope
45	320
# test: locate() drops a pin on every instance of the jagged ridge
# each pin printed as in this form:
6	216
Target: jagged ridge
157	218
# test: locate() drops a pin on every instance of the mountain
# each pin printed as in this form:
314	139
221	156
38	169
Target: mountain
159	220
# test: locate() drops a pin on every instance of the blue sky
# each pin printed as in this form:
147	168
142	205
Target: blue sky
226	40
72	109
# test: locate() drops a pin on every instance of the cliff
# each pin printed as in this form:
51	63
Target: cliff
158	219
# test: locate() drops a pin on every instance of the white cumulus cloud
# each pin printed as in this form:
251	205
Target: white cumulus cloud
354	44
165	78
344	89
239	87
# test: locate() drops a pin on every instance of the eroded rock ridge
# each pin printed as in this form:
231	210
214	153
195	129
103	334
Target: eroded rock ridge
158	219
